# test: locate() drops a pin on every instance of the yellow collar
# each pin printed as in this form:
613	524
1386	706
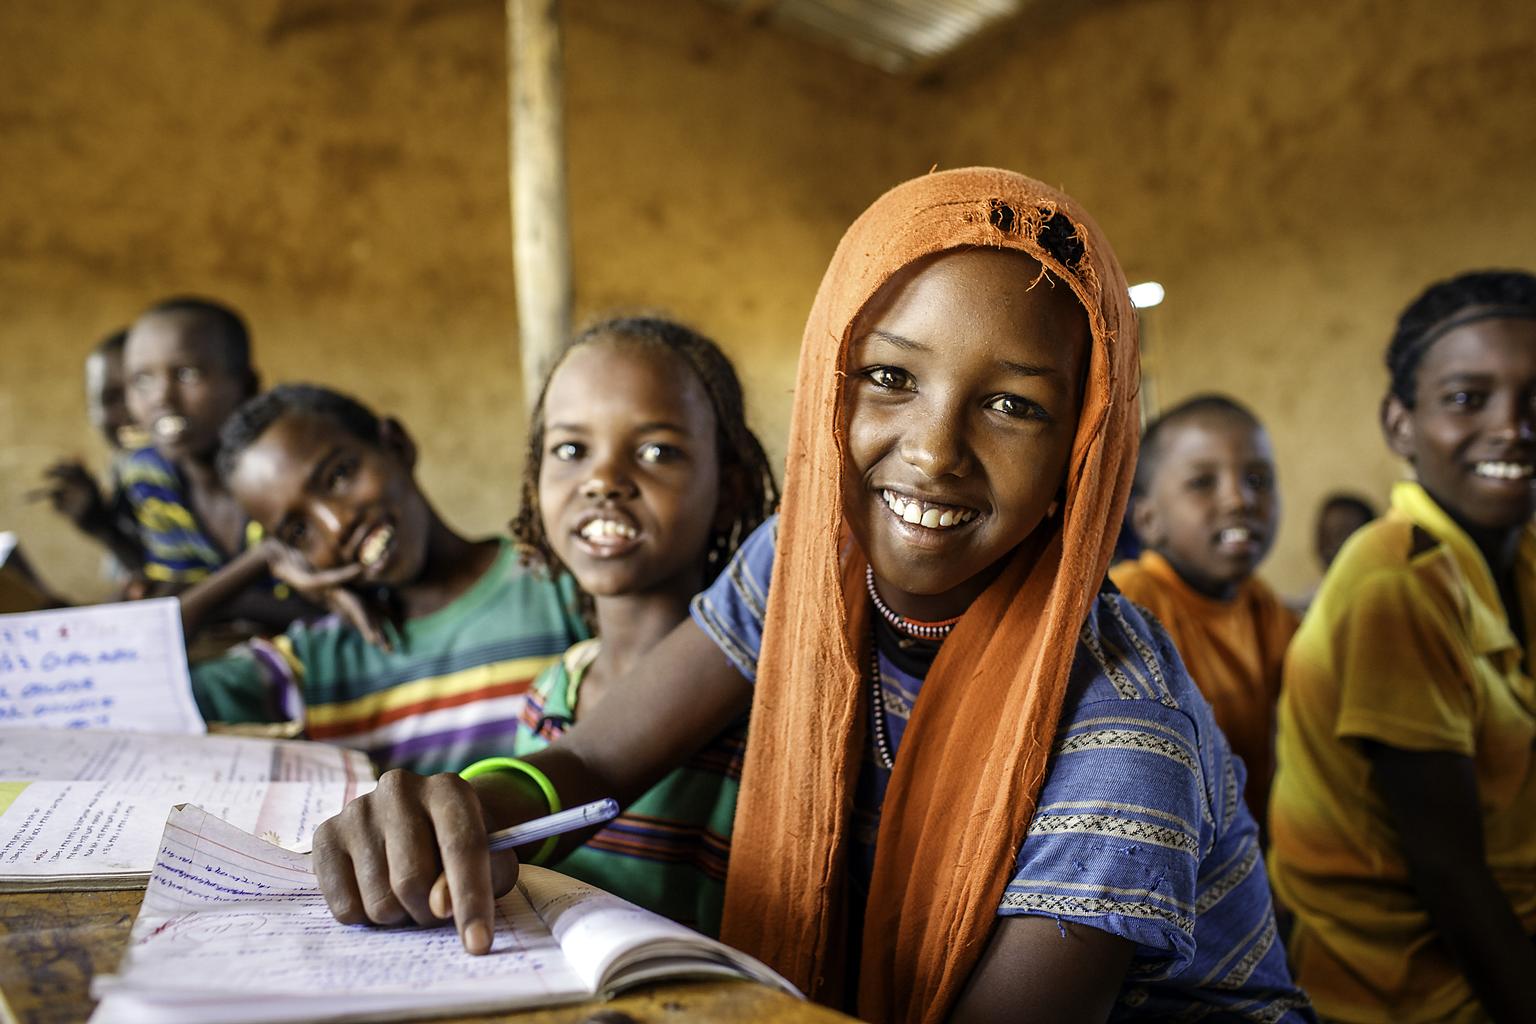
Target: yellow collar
1486	617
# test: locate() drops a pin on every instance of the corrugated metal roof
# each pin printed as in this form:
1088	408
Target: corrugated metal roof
895	35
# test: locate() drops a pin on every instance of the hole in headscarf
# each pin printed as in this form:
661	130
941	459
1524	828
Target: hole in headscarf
1002	216
1058	236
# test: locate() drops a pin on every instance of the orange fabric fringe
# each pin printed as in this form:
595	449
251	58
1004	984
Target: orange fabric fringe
975	752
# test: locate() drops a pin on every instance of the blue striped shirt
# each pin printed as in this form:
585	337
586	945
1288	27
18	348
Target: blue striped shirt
1140	829
177	549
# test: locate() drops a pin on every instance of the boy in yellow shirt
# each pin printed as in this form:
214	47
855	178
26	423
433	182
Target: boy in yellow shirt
1206	506
1404	812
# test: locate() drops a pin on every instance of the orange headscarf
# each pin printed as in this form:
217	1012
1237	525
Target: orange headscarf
974	754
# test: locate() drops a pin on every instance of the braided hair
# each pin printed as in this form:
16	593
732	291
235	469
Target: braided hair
746	478
1445	305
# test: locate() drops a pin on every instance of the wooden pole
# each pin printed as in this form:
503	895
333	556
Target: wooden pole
541	237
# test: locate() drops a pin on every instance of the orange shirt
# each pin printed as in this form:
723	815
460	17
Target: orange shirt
1234	650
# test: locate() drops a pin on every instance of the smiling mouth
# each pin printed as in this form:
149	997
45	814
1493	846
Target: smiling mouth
928	514
1236	535
169	428
1504	470
371	552
599	530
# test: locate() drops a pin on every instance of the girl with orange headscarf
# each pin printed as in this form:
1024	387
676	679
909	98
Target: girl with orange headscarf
978	782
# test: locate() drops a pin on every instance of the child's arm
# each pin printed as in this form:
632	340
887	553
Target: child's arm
236	591
378	860
73	493
1044	971
1432	800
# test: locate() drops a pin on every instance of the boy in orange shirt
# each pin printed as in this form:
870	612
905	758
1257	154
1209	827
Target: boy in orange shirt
1205	505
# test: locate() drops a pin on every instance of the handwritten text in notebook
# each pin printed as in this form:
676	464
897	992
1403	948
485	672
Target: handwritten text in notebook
110	666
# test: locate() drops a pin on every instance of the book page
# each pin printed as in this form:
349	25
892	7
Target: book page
614	944
233	929
38	754
106	666
51	831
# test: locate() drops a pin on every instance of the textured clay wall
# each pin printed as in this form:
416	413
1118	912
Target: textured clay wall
1292	172
338	171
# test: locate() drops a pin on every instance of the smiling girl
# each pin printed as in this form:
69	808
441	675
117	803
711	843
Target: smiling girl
642	479
979	785
1404	811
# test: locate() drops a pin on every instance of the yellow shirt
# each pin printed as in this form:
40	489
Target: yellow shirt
1408	645
1233	650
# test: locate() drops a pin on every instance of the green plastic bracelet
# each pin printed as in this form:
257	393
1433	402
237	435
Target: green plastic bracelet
512	764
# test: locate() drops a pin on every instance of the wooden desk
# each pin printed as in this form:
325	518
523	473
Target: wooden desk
51	944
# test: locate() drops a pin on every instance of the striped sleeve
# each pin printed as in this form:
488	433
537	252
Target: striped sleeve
258	681
1116	841
731	611
1141	831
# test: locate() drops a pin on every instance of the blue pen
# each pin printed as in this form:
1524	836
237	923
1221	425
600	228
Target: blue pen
594	813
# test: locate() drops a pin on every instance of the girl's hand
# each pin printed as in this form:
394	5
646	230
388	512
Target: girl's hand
328	588
414	851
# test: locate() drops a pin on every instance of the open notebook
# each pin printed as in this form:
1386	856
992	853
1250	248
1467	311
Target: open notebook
234	929
85	810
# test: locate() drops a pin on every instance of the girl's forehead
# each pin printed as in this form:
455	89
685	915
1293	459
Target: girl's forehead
1497	347
973	281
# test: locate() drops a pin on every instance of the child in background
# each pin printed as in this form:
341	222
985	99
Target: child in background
1206	505
1051	828
1338	517
1404	811
73	492
642	478
188	366
333	486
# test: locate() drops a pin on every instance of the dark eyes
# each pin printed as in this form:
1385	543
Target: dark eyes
1466	400
339	473
894	378
1018	408
652	452
890	378
656	453
183	375
293	533
1207	481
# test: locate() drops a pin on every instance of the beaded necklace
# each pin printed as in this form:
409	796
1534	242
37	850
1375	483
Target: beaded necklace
935	631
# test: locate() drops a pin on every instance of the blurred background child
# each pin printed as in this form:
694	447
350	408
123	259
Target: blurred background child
188	367
73	492
1206	505
434	637
1404	813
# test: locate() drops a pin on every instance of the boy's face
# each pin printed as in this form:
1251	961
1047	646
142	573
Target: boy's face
1213	508
335	499
629	480
1471	434
180	386
964	380
1336	525
106	401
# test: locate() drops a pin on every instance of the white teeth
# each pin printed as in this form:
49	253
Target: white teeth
1235	535
371	551
600	529
929	516
167	427
1505	470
